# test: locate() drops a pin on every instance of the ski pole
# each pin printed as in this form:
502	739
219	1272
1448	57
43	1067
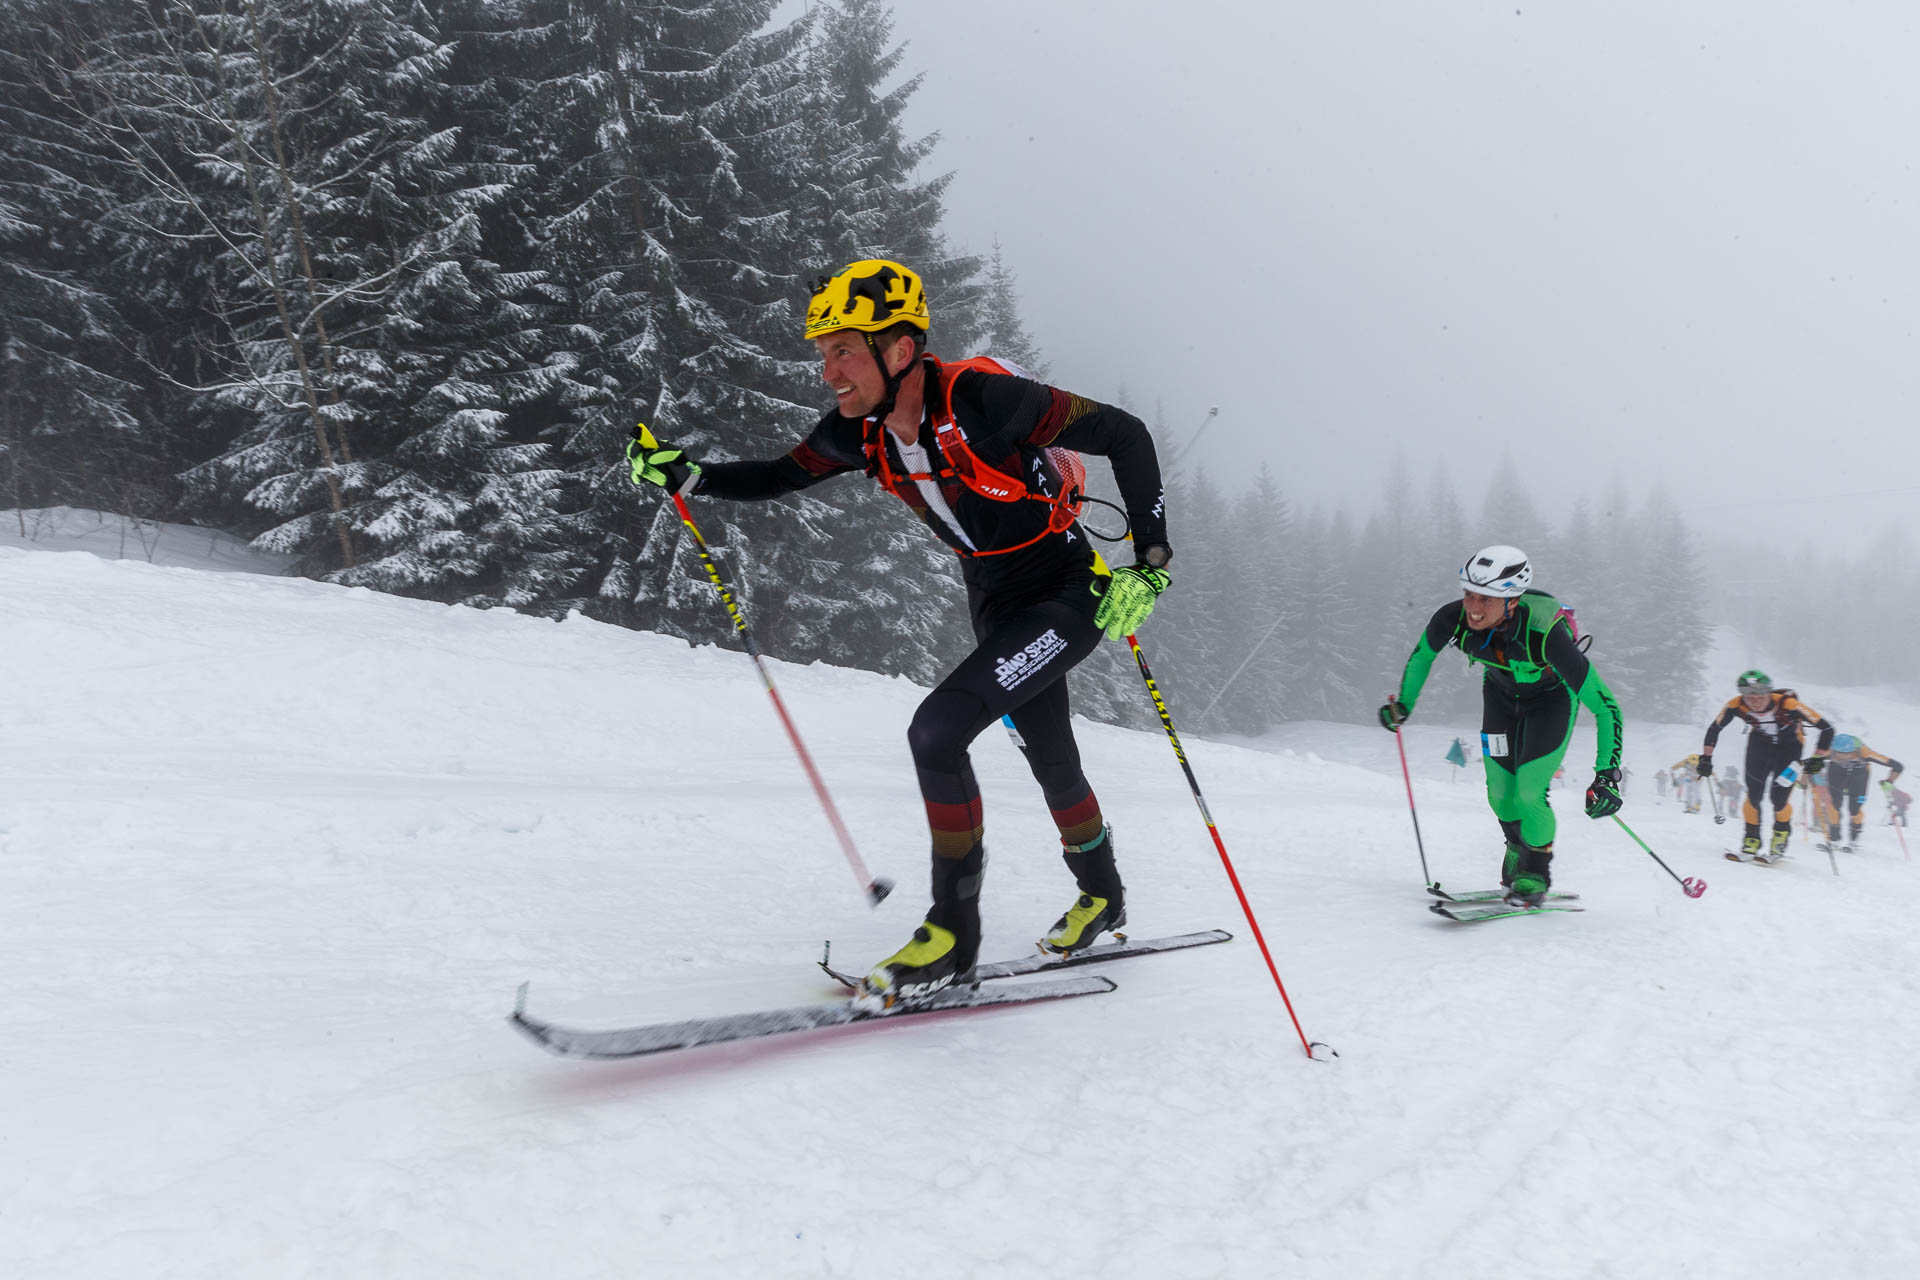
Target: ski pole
1712	785
1407	773
1180	754
1692	886
875	887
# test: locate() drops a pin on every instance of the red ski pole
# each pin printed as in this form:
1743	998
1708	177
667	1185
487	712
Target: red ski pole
875	887
1179	752
1407	773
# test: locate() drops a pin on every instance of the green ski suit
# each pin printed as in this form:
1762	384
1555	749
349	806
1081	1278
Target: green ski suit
1535	670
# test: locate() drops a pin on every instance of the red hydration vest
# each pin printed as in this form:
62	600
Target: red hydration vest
966	466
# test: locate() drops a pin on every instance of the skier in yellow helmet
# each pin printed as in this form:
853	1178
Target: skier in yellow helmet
986	456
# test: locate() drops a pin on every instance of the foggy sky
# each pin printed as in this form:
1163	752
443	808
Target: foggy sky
1655	239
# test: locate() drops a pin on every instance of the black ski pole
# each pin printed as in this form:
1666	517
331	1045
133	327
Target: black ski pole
1692	886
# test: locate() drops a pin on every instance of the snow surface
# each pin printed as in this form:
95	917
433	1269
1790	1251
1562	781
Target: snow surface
276	855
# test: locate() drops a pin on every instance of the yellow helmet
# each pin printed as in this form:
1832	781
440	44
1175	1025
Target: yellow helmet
869	296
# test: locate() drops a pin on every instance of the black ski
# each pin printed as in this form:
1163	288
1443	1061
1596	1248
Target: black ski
1489	895
1045	961
663	1037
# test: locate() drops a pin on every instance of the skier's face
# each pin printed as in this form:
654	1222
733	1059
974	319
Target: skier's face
847	365
1756	702
1484	612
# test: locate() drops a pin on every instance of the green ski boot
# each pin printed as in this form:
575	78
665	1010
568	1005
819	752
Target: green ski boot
1532	878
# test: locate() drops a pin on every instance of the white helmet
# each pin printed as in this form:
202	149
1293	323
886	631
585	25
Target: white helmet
1502	572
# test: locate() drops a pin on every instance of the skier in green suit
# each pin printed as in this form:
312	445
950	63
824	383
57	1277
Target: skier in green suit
1535	671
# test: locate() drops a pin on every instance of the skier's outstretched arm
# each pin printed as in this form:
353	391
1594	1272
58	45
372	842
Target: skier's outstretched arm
1441	629
831	449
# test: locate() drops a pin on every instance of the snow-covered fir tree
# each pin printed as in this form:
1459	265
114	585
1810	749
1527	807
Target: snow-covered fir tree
71	422
1002	331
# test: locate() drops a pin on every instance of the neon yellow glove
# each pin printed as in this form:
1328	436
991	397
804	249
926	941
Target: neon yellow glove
1129	598
655	463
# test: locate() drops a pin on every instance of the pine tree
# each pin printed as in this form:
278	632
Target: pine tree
856	38
1003	334
73	420
1337	685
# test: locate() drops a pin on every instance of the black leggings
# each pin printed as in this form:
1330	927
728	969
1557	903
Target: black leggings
1766	757
1018	670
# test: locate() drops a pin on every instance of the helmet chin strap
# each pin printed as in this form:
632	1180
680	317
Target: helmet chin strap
885	408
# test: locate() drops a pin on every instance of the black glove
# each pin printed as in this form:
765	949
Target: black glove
1393	714
1815	765
1705	767
1603	797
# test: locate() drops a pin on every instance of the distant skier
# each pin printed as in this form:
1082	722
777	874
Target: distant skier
1660	779
972	447
1897	802
1687	782
1848	773
1729	784
1534	673
1776	718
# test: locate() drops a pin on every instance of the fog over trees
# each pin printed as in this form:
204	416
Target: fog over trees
385	286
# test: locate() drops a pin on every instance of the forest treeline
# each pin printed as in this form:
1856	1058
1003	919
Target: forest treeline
384	286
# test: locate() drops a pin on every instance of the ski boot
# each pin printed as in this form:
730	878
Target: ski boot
943	949
929	963
1082	925
1778	848
1533	878
1827	846
1102	904
1510	865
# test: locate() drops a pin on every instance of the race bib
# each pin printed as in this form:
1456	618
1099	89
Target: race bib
1493	745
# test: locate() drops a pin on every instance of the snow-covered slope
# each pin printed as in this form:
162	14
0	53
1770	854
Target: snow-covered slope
276	854
115	537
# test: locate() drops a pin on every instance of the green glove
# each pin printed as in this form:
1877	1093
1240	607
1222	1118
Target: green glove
1393	714
654	463
1129	598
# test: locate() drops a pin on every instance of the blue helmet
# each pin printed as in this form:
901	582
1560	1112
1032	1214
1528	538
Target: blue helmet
1845	744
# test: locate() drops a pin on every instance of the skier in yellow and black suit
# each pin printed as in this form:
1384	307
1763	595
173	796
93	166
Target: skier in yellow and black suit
1775	718
1847	785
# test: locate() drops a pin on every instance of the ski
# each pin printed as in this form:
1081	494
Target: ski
1489	895
1475	914
1758	859
1045	961
664	1037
